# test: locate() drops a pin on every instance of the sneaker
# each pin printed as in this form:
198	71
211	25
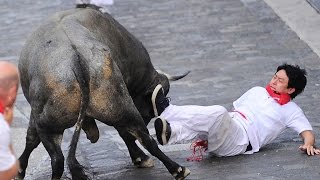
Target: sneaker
159	100
163	130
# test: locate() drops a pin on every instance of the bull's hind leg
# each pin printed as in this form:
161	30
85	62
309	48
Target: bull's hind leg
52	143
32	141
138	157
140	131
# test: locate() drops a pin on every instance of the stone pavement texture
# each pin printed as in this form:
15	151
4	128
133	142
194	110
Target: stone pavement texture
229	46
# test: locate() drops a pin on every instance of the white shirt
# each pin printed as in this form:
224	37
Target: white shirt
266	119
7	159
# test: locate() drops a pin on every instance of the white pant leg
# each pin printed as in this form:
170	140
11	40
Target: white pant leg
82	1
95	2
225	136
191	121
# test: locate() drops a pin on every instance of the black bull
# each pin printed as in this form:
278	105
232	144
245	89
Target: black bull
81	65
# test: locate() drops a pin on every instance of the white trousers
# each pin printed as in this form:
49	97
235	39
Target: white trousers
225	135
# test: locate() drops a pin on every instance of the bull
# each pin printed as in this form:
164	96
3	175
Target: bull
79	66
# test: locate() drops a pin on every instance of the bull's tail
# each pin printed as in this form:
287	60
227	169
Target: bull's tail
81	71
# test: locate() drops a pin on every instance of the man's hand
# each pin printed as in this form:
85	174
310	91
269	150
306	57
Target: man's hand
310	150
8	114
309	140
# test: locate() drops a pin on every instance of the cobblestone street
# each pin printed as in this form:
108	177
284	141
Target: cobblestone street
228	45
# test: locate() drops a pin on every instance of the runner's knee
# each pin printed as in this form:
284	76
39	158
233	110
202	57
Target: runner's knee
221	110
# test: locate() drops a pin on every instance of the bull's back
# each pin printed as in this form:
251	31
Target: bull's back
101	31
45	66
93	33
48	39
47	61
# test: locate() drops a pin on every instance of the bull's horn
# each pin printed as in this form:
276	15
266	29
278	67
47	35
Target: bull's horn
173	78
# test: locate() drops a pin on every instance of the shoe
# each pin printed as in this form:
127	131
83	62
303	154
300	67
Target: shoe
159	100
163	130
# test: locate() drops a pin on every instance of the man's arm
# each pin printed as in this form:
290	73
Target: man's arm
10	173
13	170
309	140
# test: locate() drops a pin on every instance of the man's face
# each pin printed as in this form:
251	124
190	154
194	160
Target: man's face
279	83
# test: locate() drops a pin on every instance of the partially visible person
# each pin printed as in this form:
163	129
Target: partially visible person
95	2
9	83
100	3
258	117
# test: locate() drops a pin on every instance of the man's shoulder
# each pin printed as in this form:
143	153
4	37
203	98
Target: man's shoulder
291	106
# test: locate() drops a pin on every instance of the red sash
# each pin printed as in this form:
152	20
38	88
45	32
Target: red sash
281	98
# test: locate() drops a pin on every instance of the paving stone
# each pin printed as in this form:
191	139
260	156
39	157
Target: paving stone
229	46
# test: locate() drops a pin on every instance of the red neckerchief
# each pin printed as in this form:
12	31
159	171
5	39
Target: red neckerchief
1	107
281	98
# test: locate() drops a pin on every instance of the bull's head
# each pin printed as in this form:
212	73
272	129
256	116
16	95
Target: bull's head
143	101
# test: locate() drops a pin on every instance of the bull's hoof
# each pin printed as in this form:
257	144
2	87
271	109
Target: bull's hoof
145	163
182	172
20	175
18	178
93	137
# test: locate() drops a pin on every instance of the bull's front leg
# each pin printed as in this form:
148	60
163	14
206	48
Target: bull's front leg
138	157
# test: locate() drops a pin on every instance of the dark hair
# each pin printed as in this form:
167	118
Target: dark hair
297	78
